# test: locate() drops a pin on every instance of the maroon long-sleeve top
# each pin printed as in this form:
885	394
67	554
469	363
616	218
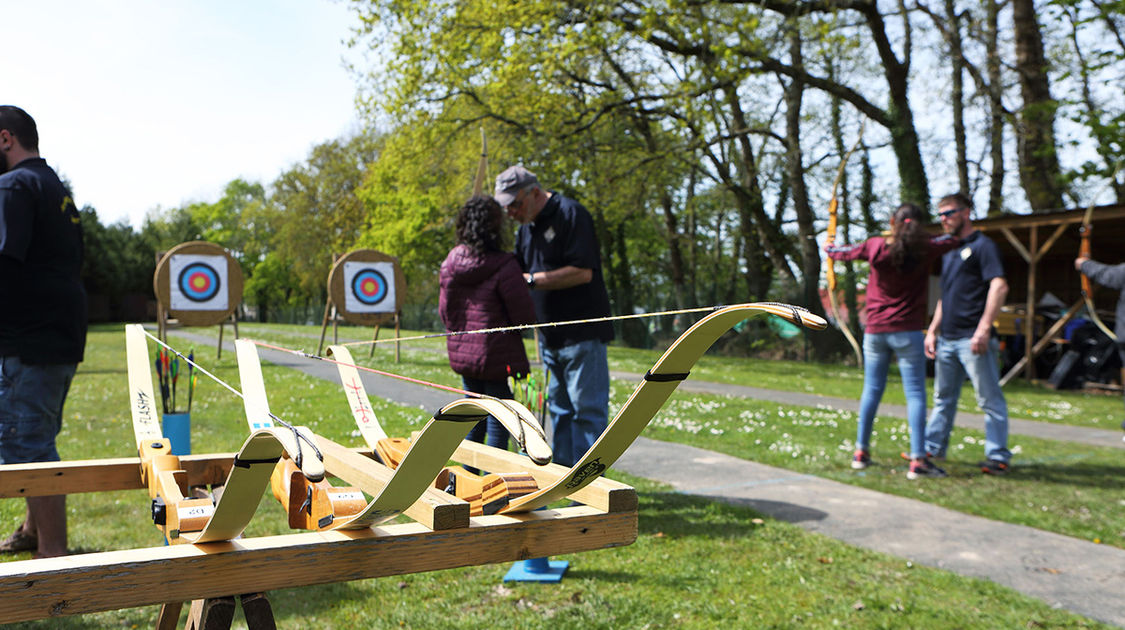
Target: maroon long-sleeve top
481	291
896	301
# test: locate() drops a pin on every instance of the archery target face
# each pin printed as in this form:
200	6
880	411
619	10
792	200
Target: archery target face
369	287
199	283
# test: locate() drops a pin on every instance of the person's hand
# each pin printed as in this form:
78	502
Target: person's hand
979	343
1078	262
930	344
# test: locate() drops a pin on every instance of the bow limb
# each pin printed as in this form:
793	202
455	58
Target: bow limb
651	394
482	168
830	239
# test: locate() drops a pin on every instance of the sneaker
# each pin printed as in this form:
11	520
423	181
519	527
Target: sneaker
19	541
861	460
994	467
924	468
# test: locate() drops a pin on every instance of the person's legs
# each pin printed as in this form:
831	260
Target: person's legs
31	405
47	517
985	376
876	362
587	385
497	434
910	350
559	406
949	375
475	385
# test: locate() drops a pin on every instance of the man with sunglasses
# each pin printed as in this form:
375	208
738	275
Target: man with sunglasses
558	250
960	338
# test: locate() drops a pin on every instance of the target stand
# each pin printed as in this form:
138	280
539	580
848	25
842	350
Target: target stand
367	288
197	284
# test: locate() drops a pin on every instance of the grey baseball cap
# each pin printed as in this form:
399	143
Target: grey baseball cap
511	181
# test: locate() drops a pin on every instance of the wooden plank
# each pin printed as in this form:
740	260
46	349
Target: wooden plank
604	494
1042	343
101	475
79	584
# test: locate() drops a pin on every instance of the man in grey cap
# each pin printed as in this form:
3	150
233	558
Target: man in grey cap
558	250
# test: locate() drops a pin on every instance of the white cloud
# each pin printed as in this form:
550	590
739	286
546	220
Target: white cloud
143	103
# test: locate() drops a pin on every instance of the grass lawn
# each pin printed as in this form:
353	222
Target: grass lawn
696	563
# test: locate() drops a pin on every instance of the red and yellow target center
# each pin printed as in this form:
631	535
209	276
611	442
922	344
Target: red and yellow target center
199	282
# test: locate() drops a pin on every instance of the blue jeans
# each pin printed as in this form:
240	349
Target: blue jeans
31	404
955	360
497	434
577	397
909	348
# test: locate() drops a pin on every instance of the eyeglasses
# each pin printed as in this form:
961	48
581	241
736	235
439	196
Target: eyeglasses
517	202
951	211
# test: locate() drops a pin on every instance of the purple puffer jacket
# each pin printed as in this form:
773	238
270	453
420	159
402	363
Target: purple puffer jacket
484	291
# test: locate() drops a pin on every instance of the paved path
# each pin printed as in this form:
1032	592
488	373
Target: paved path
1065	572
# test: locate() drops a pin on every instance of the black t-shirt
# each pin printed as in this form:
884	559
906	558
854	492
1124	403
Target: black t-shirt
966	273
563	234
42	302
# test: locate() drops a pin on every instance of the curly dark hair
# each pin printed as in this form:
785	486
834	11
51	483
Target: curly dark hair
909	238
478	225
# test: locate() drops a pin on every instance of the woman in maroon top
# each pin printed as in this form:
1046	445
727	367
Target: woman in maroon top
896	316
482	286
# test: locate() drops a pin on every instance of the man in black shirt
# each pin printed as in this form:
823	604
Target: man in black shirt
558	250
42	319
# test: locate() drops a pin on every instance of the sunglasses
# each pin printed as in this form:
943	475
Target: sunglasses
951	211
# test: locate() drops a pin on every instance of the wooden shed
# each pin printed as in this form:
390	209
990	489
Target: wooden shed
1039	252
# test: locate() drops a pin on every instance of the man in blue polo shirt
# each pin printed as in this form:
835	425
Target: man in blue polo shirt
42	319
960	337
558	250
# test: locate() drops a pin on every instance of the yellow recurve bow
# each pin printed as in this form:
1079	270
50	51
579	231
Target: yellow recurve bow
830	269
1086	232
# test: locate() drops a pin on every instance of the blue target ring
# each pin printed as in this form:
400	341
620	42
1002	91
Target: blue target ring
369	287
199	282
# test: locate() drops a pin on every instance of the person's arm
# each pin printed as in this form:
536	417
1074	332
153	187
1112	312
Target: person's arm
997	293
1109	276
931	333
848	252
515	297
561	278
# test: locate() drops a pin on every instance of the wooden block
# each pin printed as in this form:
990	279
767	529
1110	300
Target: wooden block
79	584
604	494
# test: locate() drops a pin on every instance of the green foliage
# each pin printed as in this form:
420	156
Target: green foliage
116	264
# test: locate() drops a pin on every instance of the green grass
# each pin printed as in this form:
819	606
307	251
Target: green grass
1026	401
696	563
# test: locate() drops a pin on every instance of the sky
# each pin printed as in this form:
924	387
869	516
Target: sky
158	103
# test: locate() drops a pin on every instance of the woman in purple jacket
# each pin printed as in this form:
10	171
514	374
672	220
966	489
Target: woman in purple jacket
482	286
896	316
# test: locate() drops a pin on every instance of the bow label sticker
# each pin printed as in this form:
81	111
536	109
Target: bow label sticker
592	469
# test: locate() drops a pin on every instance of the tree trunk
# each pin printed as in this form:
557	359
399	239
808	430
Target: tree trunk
806	228
957	95
995	108
1039	163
